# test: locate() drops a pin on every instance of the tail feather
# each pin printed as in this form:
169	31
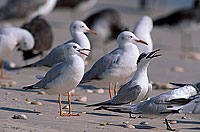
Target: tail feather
119	109
100	104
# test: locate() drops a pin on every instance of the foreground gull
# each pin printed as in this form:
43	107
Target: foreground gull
77	30
11	37
65	76
138	88
26	8
117	65
43	36
154	107
143	31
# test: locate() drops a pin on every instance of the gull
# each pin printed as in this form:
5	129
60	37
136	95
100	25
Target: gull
26	8
143	31
116	65
77	30
189	106
154	107
64	76
11	37
43	36
138	88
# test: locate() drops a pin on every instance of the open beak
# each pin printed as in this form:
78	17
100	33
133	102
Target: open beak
141	41
91	31
82	52
154	54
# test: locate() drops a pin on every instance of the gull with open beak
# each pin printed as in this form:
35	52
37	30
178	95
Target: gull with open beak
65	76
77	30
138	88
117	65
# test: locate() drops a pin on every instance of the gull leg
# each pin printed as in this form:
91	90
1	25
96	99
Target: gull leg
110	92
115	90
70	112
168	126
126	79
2	71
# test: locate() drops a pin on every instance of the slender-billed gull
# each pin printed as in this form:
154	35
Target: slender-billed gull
43	36
138	88
11	37
77	30
65	76
116	65
154	107
26	8
143	31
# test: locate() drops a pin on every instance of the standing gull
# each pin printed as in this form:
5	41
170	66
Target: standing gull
138	88
43	36
65	76
143	31
116	65
154	107
77	30
11	37
26	8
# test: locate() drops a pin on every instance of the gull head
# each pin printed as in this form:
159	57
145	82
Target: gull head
80	26
27	42
145	57
129	37
72	48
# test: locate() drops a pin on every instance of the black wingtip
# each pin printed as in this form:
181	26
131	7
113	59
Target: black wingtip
178	84
28	87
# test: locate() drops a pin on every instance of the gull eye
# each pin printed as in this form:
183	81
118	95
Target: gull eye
131	36
25	43
82	26
74	47
74	27
122	37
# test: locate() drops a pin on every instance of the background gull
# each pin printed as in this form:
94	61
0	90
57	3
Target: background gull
77	30
154	107
117	65
26	8
65	76
43	36
143	31
11	37
138	88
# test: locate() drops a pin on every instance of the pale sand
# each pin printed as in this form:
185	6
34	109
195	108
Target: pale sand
168	41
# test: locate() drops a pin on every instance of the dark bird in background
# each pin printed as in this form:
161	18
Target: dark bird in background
107	23
42	34
187	15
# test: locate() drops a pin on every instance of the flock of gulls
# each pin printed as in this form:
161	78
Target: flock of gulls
67	61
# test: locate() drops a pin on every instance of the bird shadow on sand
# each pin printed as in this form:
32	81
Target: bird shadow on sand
189	122
100	114
21	90
143	127
17	110
63	102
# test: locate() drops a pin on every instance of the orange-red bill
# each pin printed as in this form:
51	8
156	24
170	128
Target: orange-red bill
87	49
91	31
84	54
141	41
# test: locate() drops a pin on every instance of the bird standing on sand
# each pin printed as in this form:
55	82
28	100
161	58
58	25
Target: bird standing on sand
65	76
116	65
43	36
155	107
143	31
77	30
12	37
138	88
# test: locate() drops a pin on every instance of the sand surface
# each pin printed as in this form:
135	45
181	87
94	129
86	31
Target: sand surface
45	118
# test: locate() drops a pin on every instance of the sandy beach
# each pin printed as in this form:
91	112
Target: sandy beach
45	117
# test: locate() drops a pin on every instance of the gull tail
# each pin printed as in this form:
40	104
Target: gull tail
99	104
120	109
30	87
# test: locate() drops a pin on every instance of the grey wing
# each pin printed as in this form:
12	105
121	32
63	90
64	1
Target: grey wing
127	95
19	8
54	57
101	65
148	92
50	75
